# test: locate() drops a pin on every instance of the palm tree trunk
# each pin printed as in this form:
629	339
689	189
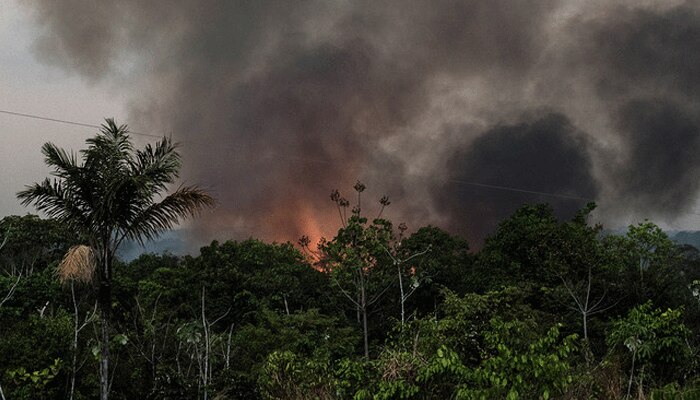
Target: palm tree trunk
76	330
105	304
104	298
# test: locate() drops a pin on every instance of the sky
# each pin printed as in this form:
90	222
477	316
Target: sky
459	111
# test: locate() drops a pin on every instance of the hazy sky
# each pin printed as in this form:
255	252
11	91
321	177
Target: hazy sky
29	86
280	102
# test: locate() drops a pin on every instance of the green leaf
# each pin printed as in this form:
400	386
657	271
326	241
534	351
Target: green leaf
96	351
121	339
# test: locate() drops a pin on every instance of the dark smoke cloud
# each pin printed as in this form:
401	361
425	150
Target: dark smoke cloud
644	65
637	50
545	155
279	102
306	124
661	166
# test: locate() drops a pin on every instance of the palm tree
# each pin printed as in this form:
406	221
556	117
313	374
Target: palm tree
113	193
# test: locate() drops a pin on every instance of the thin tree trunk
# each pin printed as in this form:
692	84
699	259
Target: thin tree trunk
588	353
2	395
415	343
366	335
629	384
362	307
364	320
398	262
356	281
205	377
286	305
403	298
177	358
228	348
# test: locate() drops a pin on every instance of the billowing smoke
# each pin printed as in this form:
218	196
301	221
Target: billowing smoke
526	167
660	168
643	65
279	102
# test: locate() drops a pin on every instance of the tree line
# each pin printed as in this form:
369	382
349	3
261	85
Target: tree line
548	308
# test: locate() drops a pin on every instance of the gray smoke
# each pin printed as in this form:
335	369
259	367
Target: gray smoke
643	67
279	102
661	166
534	148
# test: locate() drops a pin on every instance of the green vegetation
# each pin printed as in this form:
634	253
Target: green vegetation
112	193
256	320
547	309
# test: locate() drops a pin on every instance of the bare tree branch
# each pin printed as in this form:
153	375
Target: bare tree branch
12	290
346	293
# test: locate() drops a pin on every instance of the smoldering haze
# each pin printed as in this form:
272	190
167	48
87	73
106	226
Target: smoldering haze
643	67
280	102
534	148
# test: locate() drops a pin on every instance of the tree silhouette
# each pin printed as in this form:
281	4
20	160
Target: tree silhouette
112	193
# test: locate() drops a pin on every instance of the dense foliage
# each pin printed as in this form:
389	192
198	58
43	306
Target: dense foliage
109	193
546	309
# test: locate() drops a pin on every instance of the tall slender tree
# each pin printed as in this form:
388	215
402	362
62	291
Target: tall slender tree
109	194
355	259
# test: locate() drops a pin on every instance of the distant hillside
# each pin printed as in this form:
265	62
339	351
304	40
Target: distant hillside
173	242
178	242
686	237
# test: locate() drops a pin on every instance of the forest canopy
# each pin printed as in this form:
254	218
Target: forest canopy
546	309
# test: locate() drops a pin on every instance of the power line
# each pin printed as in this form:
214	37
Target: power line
315	160
64	121
306	159
511	189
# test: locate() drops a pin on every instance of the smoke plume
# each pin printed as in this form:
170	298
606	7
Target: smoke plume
435	103
534	148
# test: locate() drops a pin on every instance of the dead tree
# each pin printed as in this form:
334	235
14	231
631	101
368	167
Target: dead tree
585	304
206	364
398	263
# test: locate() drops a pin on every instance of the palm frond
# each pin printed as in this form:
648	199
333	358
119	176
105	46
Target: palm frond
109	194
158	217
123	199
110	151
52	198
157	166
64	164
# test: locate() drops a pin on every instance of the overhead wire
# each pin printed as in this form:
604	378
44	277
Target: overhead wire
65	121
512	189
459	181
